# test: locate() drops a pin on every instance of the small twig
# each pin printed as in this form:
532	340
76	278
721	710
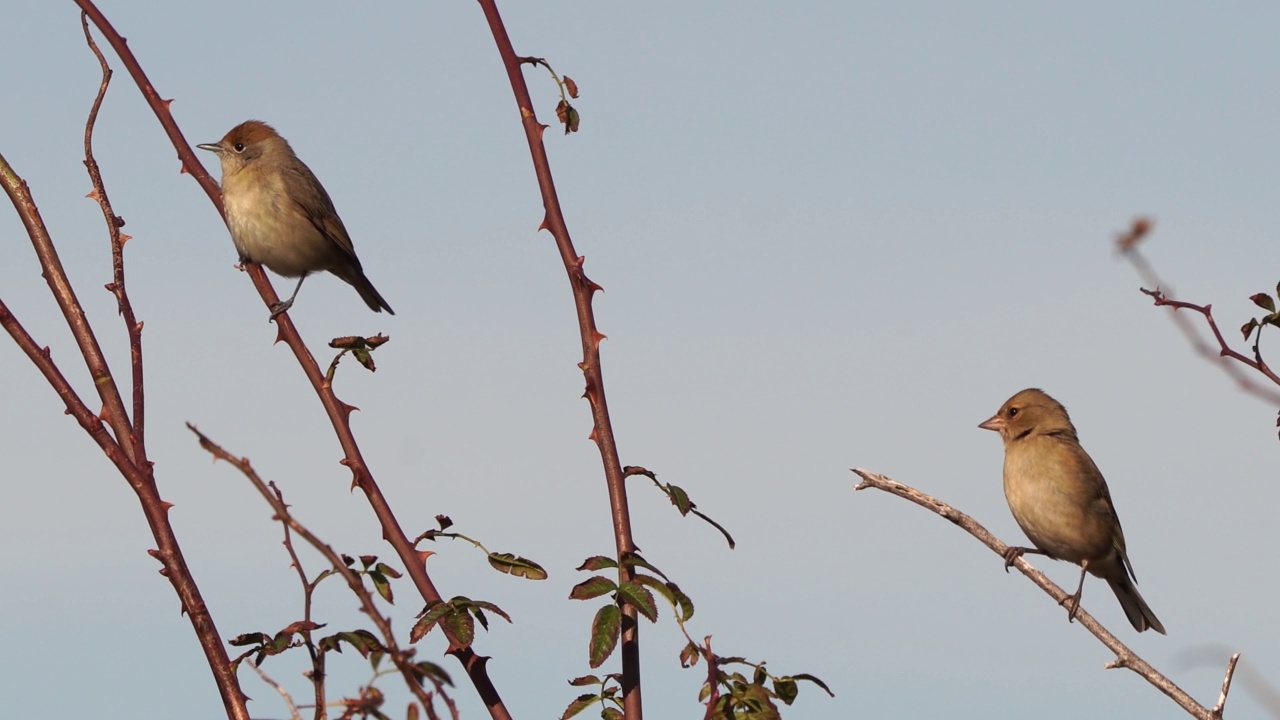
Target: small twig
1127	245
133	328
1226	685
1125	658
400	657
288	699
1223	350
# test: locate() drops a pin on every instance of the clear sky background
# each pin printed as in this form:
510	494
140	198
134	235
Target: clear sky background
831	235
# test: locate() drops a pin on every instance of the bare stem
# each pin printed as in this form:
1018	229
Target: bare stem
1125	657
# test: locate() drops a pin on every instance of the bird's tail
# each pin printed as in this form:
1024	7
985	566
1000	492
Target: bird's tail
1135	608
367	292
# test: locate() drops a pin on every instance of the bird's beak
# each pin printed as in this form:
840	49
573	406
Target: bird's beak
993	423
211	147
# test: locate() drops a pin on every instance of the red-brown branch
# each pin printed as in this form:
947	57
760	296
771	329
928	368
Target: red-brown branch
133	329
1127	243
583	290
337	411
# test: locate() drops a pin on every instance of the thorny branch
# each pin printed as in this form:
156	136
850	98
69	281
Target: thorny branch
337	411
584	290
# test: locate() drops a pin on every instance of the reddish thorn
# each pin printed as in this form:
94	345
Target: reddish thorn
543	225
423	555
167	103
125	238
166	505
110	287
279	335
93	194
577	262
182	169
592	435
102	414
592	286
600	336
154	553
164	571
138	328
582	366
541	129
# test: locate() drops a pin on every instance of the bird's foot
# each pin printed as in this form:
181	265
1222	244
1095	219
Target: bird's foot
1072	603
279	309
1012	553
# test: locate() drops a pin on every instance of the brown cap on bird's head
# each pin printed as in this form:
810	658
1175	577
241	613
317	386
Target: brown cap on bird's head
251	135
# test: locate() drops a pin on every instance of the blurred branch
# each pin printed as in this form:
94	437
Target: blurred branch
269	492
1222	355
583	290
1125	658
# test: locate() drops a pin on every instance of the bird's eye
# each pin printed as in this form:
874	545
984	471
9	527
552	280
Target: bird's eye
1013	412
239	147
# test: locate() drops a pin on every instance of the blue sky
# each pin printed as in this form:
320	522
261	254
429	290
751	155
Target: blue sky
833	235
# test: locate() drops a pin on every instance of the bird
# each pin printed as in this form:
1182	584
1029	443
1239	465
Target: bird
1061	501
280	216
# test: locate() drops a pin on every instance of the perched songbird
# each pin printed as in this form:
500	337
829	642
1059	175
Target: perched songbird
1061	501
279	214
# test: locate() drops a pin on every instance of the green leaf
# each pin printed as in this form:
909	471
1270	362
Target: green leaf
683	602
460	628
431	615
813	679
1263	301
248	639
786	690
680	499
428	669
580	703
606	628
363	641
612	713
635	560
592	587
477	605
518	566
598	562
689	655
382	586
639	597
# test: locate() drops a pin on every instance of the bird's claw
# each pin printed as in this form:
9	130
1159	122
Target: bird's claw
280	308
1010	555
1074	602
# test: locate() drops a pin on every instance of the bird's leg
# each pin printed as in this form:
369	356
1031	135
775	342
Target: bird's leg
282	307
1012	553
1074	600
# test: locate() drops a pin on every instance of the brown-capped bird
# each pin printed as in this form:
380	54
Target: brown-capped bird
1061	501
280	215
